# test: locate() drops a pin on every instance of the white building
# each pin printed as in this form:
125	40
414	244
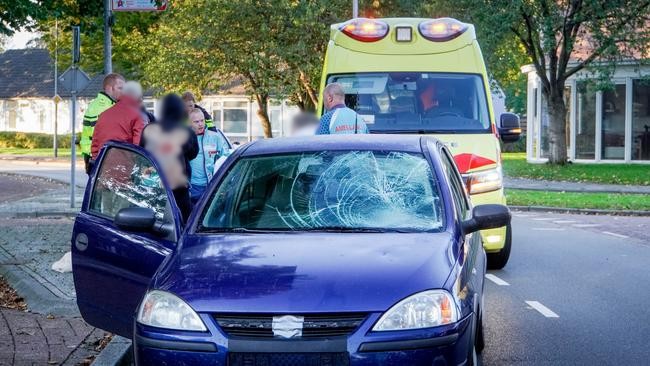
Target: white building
611	126
27	101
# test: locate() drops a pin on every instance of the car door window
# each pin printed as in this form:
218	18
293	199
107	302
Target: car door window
457	190
128	179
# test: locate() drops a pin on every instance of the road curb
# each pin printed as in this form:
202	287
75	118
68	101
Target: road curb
116	353
37	214
586	211
39	298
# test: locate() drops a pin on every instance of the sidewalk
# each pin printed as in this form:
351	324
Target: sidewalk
36	232
555	186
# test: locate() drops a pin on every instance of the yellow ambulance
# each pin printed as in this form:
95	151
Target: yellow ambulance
427	76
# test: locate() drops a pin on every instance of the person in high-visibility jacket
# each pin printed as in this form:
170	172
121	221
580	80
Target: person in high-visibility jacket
112	91
190	105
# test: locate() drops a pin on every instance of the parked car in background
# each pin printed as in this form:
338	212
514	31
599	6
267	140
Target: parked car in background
322	250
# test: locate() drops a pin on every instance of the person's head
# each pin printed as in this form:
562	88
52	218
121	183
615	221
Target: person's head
172	112
197	121
113	85
333	95
304	122
189	100
428	96
133	89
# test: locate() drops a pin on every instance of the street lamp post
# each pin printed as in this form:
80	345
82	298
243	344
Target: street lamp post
355	8
108	63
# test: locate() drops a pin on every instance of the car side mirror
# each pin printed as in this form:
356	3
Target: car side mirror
139	219
509	127
487	217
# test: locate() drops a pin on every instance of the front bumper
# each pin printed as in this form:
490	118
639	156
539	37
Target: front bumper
447	345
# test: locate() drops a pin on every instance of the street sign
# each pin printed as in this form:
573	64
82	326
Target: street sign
73	84
138	5
57	99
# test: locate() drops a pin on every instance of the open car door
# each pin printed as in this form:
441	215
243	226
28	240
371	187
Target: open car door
128	224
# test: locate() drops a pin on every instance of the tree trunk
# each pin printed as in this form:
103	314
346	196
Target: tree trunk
308	88
557	128
263	114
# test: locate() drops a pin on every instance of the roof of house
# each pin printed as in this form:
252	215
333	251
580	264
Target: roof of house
29	73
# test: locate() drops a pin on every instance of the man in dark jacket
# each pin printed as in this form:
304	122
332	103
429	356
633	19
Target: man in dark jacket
121	122
190	105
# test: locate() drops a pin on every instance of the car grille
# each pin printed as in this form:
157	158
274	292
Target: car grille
314	326
288	359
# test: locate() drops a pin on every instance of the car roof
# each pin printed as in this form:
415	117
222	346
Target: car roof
377	142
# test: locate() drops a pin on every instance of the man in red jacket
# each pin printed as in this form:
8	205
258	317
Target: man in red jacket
121	122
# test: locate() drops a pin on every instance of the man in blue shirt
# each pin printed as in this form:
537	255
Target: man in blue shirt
339	119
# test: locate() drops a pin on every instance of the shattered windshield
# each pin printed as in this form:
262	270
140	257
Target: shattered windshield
331	190
412	102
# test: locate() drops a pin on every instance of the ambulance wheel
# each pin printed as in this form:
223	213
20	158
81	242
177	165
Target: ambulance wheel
500	259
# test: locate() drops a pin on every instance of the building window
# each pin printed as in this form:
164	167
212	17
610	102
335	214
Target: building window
235	117
613	127
586	121
12	114
150	106
216	115
567	118
641	120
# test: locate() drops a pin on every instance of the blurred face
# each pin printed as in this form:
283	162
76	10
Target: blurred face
189	105
197	123
115	90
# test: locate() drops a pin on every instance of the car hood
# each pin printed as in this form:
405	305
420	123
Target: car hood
306	272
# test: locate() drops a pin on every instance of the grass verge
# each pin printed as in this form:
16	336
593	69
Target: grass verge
515	165
601	201
44	153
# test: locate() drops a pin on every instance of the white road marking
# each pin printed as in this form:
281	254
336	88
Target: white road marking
496	280
616	235
565	221
586	225
545	218
542	309
548	228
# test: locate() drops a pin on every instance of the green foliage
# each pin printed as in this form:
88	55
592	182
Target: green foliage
26	140
560	38
601	201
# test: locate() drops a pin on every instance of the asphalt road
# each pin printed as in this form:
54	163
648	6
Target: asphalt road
575	292
59	171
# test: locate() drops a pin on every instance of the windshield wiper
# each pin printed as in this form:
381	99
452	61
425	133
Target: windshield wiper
240	230
345	229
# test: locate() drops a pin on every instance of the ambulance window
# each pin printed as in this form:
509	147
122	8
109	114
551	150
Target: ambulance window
408	102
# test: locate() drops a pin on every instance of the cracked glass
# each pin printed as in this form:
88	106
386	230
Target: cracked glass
331	190
128	179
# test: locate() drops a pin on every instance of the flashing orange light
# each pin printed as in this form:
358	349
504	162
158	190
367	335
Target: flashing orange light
442	29
365	30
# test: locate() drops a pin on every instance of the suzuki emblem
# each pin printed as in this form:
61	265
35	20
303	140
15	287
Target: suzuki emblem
288	326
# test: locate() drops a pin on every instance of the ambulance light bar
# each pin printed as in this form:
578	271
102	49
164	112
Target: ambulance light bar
442	29
364	29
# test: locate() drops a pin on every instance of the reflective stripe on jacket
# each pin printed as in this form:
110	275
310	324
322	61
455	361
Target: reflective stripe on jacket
96	107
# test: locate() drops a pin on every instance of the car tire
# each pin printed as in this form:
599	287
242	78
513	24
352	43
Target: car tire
480	336
500	259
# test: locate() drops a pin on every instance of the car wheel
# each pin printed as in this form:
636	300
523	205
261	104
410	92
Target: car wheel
499	260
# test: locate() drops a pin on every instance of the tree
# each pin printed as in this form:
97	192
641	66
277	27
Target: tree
562	38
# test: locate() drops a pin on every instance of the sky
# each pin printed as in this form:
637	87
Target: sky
20	39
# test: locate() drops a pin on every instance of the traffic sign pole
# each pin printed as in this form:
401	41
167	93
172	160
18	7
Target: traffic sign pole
108	52
76	53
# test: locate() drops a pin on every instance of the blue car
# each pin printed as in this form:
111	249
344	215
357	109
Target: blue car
323	250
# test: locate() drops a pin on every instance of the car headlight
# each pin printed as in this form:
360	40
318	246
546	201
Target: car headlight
423	310
164	310
484	181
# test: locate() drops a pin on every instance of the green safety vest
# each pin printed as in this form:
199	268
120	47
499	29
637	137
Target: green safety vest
96	107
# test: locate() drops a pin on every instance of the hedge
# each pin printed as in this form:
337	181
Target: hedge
519	146
28	140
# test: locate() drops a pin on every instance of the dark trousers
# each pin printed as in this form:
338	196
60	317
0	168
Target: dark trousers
183	201
87	162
